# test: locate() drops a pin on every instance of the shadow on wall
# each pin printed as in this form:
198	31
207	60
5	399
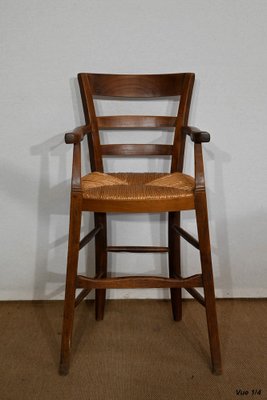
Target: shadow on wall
220	226
53	218
53	212
52	228
52	201
218	223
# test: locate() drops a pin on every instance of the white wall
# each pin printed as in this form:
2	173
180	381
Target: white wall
45	43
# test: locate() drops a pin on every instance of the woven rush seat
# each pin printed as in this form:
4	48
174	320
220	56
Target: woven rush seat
144	190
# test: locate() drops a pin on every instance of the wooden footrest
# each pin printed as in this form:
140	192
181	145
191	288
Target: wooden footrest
133	282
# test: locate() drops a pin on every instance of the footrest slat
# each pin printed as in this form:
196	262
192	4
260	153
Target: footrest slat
133	282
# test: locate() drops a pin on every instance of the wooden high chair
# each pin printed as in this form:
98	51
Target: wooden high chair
147	192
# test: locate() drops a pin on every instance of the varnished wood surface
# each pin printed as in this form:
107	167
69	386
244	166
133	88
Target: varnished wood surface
196	135
199	168
76	168
100	263
189	238
137	249
134	282
182	120
84	293
77	135
135	121
194	293
90	236
208	282
70	290
174	258
136	149
138	86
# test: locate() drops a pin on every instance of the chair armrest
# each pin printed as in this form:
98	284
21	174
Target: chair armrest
77	135
196	135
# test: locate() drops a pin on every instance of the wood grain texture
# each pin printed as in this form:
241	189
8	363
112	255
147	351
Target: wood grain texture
135	121
208	281
174	259
134	282
136	150
100	263
76	168
136	86
199	168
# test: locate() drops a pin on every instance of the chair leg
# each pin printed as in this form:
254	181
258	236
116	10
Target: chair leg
72	265
100	263
175	264
208	283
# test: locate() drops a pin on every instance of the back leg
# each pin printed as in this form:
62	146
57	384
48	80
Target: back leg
175	264
100	263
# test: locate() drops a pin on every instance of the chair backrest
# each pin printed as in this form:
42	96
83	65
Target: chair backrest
137	87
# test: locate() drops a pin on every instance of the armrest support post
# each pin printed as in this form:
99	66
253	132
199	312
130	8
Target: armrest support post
76	168
198	137
75	137
199	168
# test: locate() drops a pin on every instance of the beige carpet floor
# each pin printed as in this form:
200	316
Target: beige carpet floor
137	352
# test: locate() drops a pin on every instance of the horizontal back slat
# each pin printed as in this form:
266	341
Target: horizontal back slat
137	86
136	149
135	121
